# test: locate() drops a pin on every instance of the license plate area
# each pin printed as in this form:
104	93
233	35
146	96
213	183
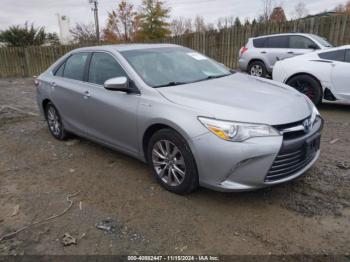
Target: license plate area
312	145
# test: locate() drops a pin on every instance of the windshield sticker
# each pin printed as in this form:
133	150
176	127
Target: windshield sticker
197	56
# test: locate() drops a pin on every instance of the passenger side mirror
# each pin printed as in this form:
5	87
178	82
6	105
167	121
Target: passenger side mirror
118	84
313	46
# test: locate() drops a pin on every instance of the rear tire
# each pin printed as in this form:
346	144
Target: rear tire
171	161
54	122
257	68
307	85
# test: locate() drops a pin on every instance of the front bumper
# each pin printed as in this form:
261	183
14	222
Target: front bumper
253	164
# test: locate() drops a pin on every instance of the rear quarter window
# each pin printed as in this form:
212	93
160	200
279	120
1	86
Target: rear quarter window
259	42
338	55
59	70
347	56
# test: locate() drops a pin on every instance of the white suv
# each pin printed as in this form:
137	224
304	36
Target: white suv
260	54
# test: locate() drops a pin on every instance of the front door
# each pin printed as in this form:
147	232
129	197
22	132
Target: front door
112	115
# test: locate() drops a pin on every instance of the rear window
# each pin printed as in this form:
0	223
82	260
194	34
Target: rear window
259	42
75	66
277	42
338	55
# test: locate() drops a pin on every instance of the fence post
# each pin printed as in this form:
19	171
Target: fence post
26	62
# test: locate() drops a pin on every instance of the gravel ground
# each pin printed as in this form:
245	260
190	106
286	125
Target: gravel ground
135	215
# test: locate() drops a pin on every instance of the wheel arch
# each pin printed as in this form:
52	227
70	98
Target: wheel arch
156	126
44	104
312	76
256	60
307	74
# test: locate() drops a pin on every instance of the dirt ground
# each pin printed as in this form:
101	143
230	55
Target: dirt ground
310	215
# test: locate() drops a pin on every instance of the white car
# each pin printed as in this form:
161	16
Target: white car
322	75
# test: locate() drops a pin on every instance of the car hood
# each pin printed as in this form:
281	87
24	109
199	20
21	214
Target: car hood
240	97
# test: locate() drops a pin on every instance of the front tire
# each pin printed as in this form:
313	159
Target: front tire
54	122
172	162
307	85
257	68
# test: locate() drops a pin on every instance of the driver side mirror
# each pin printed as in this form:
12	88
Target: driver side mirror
118	84
313	46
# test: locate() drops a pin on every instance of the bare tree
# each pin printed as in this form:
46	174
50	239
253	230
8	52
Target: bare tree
84	33
343	8
225	22
210	26
199	24
339	8
300	11
347	7
267	8
180	26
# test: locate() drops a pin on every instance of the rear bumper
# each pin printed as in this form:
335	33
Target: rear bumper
228	166
243	64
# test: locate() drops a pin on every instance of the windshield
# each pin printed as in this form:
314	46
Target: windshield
168	66
322	41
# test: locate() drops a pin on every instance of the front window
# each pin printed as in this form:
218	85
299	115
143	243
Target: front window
103	67
169	66
300	42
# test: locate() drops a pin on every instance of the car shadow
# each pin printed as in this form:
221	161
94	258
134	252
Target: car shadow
329	106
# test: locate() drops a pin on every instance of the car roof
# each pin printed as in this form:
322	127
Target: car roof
286	34
123	47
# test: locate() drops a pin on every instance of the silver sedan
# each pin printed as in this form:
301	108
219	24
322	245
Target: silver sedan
193	120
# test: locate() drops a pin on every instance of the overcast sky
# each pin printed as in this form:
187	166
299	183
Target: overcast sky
43	12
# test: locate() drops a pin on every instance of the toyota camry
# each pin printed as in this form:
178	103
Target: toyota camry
194	121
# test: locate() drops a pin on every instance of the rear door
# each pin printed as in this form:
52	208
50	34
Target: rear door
341	73
276	48
67	91
299	45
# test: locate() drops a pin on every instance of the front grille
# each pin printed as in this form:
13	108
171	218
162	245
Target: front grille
289	163
297	151
291	135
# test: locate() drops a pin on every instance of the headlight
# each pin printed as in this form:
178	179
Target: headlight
314	114
235	131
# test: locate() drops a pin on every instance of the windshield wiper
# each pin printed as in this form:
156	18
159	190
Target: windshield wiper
213	77
172	83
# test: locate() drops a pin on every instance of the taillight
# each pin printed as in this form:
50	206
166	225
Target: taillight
243	50
36	82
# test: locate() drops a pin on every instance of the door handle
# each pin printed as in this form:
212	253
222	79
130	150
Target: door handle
263	52
86	94
53	84
291	53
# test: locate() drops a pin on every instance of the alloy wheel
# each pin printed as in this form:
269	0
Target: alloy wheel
54	122
256	70
168	162
305	88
